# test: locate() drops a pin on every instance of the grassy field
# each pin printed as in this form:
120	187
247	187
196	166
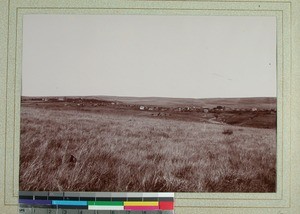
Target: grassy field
80	150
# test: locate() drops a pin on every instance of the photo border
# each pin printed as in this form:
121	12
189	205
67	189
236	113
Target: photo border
12	12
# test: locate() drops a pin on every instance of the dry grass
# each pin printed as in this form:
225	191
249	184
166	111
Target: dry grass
128	153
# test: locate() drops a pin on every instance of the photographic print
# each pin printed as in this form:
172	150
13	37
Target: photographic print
148	103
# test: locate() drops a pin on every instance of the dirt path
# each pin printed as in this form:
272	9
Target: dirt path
212	120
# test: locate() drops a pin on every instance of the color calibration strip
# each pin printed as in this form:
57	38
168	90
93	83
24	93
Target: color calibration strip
98	201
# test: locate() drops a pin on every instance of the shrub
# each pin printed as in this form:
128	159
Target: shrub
227	131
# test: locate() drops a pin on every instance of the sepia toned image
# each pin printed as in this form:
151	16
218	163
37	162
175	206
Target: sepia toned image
144	103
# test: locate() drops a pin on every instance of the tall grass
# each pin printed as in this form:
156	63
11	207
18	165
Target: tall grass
128	153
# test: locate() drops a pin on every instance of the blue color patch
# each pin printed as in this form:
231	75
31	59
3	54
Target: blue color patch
35	202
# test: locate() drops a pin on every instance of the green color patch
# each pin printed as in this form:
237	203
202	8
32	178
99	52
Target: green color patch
106	203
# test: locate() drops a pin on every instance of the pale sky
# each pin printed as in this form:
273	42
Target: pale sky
149	56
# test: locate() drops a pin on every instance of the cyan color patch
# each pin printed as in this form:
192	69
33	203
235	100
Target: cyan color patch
69	203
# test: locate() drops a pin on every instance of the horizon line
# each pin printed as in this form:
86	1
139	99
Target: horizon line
147	96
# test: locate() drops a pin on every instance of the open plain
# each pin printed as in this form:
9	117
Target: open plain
148	144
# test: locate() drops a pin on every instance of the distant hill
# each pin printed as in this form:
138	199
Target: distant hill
253	102
265	102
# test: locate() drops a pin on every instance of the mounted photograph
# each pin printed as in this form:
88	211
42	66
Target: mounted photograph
148	103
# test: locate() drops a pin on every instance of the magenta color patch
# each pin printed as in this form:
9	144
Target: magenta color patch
141	208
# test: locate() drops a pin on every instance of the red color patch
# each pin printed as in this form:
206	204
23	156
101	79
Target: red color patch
166	205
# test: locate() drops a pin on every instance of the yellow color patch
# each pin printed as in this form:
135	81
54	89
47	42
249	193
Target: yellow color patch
140	203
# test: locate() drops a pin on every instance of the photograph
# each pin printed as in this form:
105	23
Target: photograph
148	103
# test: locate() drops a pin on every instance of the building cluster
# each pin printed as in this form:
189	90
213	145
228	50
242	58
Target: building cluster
206	109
